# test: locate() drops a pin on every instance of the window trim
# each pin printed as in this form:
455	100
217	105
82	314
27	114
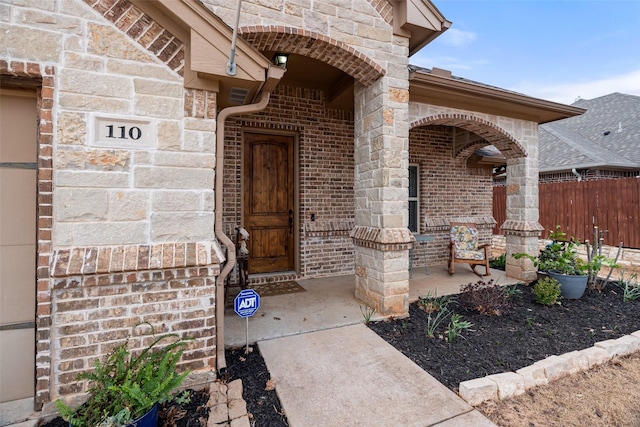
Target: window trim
414	199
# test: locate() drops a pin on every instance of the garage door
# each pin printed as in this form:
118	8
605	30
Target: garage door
18	149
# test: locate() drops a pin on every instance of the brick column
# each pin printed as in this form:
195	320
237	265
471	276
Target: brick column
522	228
381	237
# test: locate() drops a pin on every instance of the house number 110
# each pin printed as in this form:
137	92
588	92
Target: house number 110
133	132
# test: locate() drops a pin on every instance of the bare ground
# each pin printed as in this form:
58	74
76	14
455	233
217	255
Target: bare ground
606	396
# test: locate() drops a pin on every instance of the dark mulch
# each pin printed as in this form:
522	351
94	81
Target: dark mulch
529	333
193	413
263	404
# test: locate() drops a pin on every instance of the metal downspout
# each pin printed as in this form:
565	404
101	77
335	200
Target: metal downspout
223	115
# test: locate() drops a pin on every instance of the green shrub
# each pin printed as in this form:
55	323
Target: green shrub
547	291
125	386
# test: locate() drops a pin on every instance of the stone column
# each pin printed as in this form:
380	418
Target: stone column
381	237
522	228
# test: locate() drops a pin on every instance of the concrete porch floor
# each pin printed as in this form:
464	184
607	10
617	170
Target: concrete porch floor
329	302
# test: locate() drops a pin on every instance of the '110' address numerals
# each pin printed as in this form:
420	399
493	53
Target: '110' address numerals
121	132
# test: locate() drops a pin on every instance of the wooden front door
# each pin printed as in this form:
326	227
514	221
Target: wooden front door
268	202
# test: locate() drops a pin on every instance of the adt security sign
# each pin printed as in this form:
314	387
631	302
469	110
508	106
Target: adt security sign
246	303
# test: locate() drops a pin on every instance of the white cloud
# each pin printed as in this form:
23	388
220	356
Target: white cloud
457	38
568	93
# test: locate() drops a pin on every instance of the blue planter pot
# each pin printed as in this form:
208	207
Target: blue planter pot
571	287
150	419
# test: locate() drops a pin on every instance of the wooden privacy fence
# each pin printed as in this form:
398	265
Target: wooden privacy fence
610	204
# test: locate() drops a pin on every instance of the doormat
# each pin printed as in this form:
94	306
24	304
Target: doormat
278	288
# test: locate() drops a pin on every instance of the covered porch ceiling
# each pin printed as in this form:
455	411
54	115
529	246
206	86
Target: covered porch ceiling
310	73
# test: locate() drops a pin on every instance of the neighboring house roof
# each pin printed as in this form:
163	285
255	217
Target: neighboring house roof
606	136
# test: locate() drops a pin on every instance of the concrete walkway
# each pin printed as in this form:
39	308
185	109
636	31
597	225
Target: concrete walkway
349	376
330	302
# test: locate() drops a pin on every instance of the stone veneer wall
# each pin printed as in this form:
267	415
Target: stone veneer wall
324	139
123	235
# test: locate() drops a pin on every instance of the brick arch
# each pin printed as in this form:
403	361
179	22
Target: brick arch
491	133
170	50
314	45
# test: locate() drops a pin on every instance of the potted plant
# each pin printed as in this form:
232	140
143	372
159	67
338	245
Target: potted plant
126	389
560	260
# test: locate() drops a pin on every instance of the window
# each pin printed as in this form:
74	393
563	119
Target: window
414	203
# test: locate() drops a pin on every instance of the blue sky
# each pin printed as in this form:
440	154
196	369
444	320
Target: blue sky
556	50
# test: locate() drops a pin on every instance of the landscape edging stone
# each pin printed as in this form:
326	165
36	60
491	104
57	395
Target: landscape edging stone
505	385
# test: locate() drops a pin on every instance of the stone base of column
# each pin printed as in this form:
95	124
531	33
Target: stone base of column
382	268
521	237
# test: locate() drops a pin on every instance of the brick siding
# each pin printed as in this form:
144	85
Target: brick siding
325	162
95	313
466	197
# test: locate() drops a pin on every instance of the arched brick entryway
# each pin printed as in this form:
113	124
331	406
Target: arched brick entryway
521	226
317	46
488	131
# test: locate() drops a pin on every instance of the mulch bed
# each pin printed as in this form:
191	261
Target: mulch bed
528	333
262	404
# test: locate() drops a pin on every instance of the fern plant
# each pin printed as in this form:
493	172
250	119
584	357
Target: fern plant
124	387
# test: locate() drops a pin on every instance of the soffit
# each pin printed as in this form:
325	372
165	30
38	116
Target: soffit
447	91
208	43
419	20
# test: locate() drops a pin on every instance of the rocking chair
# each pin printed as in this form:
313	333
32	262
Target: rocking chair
464	248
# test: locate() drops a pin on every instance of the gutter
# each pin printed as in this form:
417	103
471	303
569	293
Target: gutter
440	87
274	74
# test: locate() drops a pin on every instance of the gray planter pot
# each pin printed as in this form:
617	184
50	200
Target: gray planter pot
571	287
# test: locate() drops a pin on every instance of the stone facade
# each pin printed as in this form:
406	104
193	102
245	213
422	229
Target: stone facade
126	232
380	130
124	235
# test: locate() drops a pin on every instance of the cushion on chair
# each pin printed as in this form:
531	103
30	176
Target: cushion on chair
475	255
465	238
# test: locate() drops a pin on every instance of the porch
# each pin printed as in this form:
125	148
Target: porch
329	302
